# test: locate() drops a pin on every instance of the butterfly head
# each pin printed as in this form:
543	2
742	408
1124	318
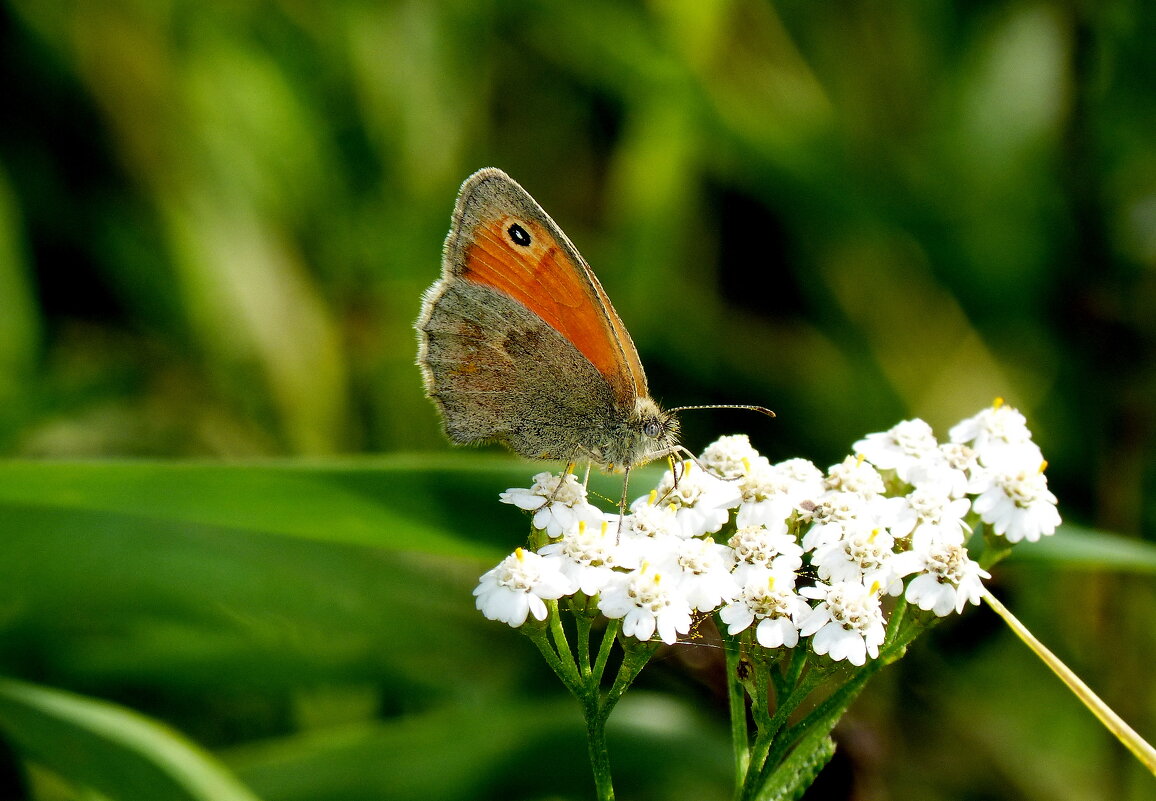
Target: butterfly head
644	434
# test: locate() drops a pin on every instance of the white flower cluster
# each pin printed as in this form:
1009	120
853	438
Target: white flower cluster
800	554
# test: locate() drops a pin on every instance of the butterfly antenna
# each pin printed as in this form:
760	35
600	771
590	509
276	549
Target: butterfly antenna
759	409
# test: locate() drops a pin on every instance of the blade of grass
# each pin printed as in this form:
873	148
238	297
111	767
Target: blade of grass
1140	748
114	750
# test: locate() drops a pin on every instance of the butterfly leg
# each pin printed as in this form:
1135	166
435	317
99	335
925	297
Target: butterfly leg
675	472
569	469
625	494
678	469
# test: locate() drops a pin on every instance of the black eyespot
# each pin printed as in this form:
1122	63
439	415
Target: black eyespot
651	429
519	235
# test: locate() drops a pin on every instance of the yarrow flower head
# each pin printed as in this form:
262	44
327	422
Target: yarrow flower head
856	476
769	598
588	556
847	622
771	492
703	570
731	456
863	555
517	587
647	601
929	512
1018	505
948	578
764	549
558	503
901	448
1011	490
649	518
785	555
827	518
950	472
701	501
996	434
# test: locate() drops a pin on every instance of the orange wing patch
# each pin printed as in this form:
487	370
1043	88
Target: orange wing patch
545	280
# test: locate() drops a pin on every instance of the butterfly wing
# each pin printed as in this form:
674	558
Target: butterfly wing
502	239
498	372
518	342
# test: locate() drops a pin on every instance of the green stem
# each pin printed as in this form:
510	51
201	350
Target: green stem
596	715
828	712
1139	747
896	643
737	701
608	638
562	643
633	660
779	682
895	621
597	709
838	700
768	747
995	548
794	670
582	641
761	702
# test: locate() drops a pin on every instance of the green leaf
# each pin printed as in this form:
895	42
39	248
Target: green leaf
111	749
411	504
180	573
405	503
114	596
798	772
813	747
1090	549
515	747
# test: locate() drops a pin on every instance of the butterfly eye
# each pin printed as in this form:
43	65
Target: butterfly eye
651	429
518	235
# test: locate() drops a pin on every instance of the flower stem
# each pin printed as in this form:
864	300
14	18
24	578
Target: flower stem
636	655
608	638
774	741
582	642
995	548
1140	748
896	620
562	644
737	701
761	702
596	707
596	715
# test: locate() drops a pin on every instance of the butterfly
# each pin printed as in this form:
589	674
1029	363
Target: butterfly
519	344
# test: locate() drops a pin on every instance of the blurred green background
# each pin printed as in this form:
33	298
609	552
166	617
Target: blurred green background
216	222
